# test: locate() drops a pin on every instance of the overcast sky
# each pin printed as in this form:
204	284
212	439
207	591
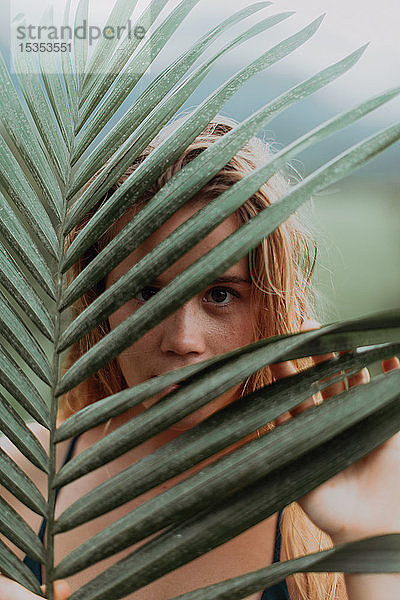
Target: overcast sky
348	24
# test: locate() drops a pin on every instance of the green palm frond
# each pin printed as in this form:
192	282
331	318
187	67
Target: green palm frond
127	128
217	524
52	143
185	237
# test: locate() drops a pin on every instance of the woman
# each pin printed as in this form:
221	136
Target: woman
271	287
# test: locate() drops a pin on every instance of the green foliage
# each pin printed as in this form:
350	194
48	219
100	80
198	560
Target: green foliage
45	165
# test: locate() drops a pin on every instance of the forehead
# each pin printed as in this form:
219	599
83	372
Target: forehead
220	233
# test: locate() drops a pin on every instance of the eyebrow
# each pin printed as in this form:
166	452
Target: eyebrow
231	279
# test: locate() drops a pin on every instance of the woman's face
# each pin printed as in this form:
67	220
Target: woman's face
215	321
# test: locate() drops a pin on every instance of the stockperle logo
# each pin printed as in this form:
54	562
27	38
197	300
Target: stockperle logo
35	37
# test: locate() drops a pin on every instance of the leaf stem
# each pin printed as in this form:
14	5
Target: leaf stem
52	491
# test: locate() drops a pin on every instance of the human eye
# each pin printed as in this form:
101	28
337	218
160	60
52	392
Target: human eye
221	296
146	293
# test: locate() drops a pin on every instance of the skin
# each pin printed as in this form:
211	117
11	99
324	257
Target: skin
361	501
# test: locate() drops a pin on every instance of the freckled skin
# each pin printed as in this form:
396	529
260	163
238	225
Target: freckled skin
213	322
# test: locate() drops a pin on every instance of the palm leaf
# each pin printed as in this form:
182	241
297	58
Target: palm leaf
15	569
15	381
186	236
17	188
54	87
120	59
228	252
27	145
21	339
128	129
81	43
205	112
192	395
104	49
20	485
135	70
49	119
19	288
39	109
13	426
118	403
219	479
214	526
67	72
24	246
16	530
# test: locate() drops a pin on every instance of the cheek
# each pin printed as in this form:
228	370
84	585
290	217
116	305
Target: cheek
115	319
136	361
231	333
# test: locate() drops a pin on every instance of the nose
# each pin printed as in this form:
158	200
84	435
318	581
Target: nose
183	331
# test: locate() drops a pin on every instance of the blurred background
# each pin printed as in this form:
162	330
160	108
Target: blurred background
356	223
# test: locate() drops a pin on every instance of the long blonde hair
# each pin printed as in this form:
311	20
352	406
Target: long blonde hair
280	268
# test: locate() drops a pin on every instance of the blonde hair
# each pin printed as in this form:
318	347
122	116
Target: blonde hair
280	268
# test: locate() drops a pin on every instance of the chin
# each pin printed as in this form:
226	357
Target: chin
200	414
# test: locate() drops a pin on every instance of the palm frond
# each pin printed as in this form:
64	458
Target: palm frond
105	47
18	532
39	109
186	236
119	61
13	426
52	121
53	83
15	381
81	44
12	567
134	71
23	293
233	472
211	527
139	124
23	488
19	337
217	261
26	143
207	109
